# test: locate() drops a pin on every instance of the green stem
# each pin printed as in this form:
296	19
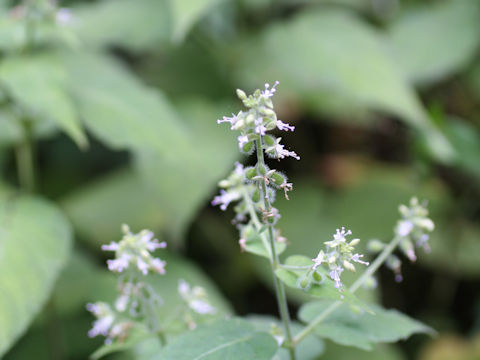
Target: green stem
24	158
274	261
360	281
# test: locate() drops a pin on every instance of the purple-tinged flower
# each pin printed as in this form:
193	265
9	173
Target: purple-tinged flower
158	265
225	198
242	140
404	227
269	92
113	246
283	126
63	16
120	263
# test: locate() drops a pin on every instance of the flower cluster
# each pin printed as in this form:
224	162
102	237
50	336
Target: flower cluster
254	123
107	323
339	255
412	230
196	298
254	187
134	250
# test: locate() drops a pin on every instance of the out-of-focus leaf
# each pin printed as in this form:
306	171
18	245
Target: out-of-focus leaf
362	330
309	349
325	290
119	109
474	80
136	25
35	242
465	138
98	209
432	42
38	84
380	352
12	132
184	180
333	57
226	339
185	13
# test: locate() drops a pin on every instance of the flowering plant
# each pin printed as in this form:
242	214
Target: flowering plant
251	191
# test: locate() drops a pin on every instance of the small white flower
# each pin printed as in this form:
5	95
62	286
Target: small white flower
284	126
268	93
119	264
404	227
281	153
225	198
242	140
318	260
113	246
158	265
202	307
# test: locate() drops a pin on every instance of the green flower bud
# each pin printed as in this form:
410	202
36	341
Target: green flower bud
256	195
248	147
269	140
304	282
250	172
241	94
317	277
278	179
262	169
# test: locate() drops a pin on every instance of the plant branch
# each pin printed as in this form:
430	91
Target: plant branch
24	159
279	288
359	282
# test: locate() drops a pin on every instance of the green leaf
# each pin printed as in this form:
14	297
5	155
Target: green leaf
38	84
226	339
331	57
309	349
362	330
432	42
380	352
325	290
256	246
137	25
184	181
35	241
185	13
98	209
120	110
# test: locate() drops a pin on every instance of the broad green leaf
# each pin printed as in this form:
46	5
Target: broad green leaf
309	349
185	180
35	242
325	290
331	57
432	42
98	209
38	84
134	24
226	339
362	330
120	110
185	13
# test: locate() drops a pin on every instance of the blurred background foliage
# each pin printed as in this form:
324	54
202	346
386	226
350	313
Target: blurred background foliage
121	98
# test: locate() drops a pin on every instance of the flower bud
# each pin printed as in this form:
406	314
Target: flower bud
304	282
256	195
269	140
375	246
262	169
250	172
248	147
241	94
278	179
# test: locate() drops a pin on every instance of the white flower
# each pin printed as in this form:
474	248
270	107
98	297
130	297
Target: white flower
158	265
225	198
202	307
318	260
283	126
404	227
120	263
113	246
281	153
268	93
242	140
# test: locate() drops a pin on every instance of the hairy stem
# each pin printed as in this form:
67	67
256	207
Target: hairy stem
359	282
24	158
274	261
